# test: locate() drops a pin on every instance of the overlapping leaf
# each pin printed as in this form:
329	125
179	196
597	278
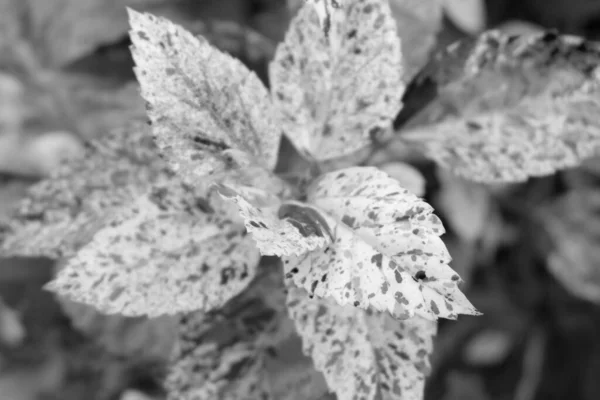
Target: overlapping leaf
62	213
274	233
222	355
504	108
207	108
387	253
364	355
335	93
171	252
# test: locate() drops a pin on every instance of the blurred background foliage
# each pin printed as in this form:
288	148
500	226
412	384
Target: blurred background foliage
529	253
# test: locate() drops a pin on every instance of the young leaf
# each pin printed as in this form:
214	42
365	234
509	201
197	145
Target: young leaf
364	354
203	103
334	97
386	250
503	108
275	232
418	23
62	213
170	252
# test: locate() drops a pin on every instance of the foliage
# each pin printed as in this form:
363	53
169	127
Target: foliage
173	219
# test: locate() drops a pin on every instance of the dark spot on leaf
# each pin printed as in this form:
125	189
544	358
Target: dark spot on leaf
314	286
254	224
384	287
351	34
398	276
434	308
116	293
377	259
356	303
420	275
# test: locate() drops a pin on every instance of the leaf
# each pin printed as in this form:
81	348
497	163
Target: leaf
335	94
408	176
134	338
386	252
364	355
504	108
221	355
274	233
418	23
572	224
171	252
62	213
203	103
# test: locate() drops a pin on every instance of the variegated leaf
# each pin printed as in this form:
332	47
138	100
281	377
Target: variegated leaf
386	251
171	252
502	108
62	213
207	109
364	355
275	232
335	93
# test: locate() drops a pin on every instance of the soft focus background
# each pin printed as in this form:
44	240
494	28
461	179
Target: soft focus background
529	253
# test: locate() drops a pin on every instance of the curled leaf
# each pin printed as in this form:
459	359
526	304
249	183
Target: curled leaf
201	102
335	94
364	354
170	252
386	251
503	108
275	232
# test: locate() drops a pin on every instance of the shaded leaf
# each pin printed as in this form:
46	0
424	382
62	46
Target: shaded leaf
503	108
202	102
62	213
276	232
221	355
140	337
574	227
386	252
171	252
418	23
335	94
364	354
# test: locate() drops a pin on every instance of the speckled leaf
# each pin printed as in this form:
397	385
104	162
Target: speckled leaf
62	213
364	355
274	233
335	93
206	107
221	355
170	252
387	253
503	108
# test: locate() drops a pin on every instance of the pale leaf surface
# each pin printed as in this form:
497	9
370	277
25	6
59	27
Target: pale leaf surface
335	93
386	253
203	103
503	108
364	355
274	235
60	214
221	355
418	23
172	251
